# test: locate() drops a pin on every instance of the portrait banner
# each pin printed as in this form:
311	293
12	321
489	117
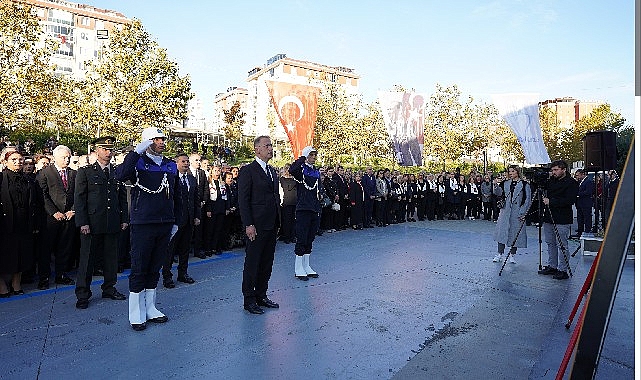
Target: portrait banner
404	114
296	106
521	112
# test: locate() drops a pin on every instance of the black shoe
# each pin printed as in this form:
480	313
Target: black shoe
200	255
186	279
302	278
561	275
43	284
18	292
98	272
138	326
266	302
5	295
168	283
312	275
115	295
547	270
82	303
218	252
64	280
161	319
254	309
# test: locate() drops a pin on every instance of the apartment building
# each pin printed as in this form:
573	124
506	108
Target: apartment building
82	30
569	110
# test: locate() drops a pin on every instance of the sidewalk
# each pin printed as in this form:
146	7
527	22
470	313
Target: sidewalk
412	301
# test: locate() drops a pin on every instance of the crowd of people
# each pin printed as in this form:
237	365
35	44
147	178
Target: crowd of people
38	193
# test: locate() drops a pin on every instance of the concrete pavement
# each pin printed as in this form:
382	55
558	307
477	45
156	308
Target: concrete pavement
410	301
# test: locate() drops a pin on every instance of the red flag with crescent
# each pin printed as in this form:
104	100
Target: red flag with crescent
296	106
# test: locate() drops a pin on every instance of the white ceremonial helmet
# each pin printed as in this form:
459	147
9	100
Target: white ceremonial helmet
307	150
152	133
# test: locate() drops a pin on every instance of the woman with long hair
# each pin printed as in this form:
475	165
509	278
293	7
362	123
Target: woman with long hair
509	226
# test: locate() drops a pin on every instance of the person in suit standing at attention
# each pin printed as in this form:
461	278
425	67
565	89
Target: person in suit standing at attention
152	222
259	202
584	202
187	212
202	190
309	188
101	213
57	182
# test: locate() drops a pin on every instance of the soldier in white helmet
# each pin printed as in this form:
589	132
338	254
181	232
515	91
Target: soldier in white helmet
151	221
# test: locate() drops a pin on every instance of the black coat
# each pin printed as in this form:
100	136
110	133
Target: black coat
8	220
56	197
258	197
562	195
186	206
99	202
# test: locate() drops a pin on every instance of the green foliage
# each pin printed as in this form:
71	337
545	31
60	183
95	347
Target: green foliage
234	120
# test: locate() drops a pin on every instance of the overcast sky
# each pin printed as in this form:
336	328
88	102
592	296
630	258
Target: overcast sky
582	49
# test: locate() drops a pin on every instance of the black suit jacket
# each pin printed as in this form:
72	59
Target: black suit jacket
186	206
258	197
56	198
99	201
202	186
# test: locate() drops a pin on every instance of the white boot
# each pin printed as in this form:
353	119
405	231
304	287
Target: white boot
497	258
137	311
310	272
153	315
299	270
512	260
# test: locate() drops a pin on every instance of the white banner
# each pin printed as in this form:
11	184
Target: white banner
403	113
521	113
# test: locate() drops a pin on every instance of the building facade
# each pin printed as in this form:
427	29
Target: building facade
569	110
261	118
82	30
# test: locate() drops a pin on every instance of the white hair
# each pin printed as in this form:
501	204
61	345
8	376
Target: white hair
57	150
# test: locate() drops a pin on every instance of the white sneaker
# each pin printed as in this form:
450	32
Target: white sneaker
497	258
511	260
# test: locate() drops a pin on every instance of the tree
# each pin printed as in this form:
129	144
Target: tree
26	78
234	120
601	118
137	86
552	132
444	125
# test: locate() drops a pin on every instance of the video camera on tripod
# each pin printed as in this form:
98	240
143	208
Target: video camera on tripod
539	176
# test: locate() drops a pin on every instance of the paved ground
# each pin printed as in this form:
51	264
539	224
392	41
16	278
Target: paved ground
413	301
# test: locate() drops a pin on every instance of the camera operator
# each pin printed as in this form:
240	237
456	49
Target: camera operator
557	218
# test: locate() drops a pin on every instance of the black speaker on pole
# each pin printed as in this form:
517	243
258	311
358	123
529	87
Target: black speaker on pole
600	151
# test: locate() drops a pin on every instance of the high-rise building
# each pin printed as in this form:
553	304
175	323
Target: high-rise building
224	101
281	68
569	110
83	31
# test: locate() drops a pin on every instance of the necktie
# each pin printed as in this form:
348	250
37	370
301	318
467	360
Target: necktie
106	170
269	173
183	179
63	176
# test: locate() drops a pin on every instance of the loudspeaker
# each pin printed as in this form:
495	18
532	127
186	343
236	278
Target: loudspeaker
600	150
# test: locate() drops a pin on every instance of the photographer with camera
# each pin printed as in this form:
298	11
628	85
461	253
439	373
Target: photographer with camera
557	218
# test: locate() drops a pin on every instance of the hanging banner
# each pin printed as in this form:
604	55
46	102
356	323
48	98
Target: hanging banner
521	113
403	113
295	105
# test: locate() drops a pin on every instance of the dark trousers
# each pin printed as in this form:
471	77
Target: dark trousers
487	210
214	228
430	207
307	223
178	245
259	258
584	219
124	246
93	247
381	212
288	217
439	208
421	208
369	211
57	238
149	244
197	233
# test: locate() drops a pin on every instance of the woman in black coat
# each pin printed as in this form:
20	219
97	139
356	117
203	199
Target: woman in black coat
357	200
20	209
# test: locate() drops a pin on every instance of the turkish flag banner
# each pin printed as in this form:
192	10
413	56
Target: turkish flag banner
296	106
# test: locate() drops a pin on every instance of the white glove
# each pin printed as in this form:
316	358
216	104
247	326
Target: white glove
174	229
142	147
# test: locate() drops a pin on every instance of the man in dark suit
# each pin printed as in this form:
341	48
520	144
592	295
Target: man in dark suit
202	191
101	213
187	213
57	182
584	202
258	201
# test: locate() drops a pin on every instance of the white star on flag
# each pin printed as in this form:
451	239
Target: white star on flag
290	127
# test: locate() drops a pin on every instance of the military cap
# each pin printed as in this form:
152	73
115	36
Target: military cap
106	142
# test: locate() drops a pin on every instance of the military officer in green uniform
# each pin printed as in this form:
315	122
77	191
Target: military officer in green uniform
101	213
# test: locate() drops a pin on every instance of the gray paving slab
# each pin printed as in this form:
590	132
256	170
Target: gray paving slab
412	301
